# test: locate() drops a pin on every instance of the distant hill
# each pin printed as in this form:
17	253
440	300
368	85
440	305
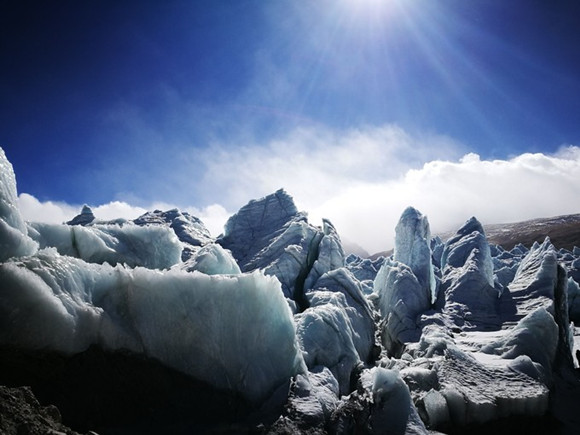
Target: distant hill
564	232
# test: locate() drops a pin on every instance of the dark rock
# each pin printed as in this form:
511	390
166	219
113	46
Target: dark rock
85	218
22	414
120	392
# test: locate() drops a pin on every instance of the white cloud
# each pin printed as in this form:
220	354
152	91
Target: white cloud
362	179
117	209
213	216
50	212
316	164
498	191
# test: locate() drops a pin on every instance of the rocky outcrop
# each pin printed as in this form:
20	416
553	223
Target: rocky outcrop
21	413
190	230
86	217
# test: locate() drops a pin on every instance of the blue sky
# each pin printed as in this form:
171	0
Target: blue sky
208	104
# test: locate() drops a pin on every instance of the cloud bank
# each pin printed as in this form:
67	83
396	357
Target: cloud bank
213	216
362	179
449	192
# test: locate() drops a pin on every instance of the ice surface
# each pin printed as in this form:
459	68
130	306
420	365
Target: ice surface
460	247
258	224
534	283
574	301
269	234
437	247
435	408
505	275
313	398
536	336
329	255
152	246
14	240
477	394
235	332
524	364
365	270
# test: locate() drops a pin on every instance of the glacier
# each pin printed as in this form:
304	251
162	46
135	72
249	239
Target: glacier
275	322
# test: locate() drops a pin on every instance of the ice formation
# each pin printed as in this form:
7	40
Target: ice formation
440	336
412	247
153	246
405	286
14	240
467	283
400	299
334	320
271	235
210	327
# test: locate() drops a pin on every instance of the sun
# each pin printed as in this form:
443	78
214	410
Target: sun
369	7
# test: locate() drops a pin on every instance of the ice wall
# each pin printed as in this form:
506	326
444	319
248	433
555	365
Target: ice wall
151	246
271	235
14	240
337	330
257	224
235	332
